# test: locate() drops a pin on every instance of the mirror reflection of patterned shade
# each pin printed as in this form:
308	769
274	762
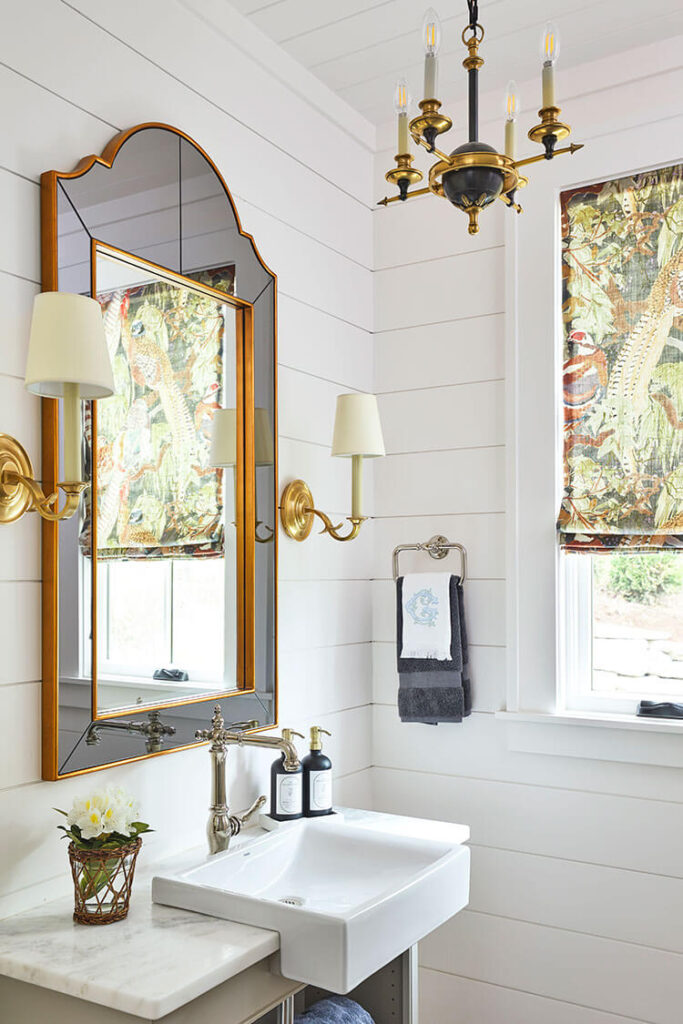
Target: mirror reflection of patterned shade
158	495
224	438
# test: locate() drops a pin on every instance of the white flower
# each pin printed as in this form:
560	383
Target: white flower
103	812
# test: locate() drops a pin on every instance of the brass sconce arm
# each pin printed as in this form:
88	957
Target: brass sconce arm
298	511
46	505
329	527
20	492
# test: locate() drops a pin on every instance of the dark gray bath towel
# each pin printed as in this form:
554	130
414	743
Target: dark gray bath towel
432	691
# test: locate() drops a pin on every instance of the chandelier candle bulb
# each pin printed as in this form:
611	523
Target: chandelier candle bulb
401	104
550	50
431	35
511	111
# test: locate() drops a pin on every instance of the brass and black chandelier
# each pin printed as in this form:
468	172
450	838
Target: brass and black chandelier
474	175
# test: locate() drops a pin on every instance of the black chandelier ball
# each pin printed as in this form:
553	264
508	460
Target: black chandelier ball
473	186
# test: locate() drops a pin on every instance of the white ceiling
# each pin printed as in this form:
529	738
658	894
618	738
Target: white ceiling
360	47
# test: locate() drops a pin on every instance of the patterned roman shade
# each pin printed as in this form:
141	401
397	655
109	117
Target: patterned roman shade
622	310
158	497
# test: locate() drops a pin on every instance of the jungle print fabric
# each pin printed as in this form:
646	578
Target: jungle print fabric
622	307
157	495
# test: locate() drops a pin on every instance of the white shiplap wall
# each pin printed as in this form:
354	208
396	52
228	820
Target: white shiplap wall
302	186
577	884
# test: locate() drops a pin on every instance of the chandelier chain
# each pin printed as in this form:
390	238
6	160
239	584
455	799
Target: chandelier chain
473	6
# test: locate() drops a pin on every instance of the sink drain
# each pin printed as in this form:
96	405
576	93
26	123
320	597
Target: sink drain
292	901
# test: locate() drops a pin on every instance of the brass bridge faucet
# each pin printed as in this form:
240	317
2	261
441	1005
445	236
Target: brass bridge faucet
222	825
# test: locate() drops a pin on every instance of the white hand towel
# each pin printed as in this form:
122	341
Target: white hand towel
426	616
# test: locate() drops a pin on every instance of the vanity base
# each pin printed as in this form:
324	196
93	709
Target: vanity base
240	1000
259	995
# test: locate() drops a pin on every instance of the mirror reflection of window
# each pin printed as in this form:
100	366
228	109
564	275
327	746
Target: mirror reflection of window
166	550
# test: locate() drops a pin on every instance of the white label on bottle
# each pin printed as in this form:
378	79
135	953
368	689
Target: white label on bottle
288	797
321	790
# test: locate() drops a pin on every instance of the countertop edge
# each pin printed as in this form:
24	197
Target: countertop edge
145	1007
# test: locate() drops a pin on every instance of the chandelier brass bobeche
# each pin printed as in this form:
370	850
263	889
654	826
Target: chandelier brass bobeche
474	175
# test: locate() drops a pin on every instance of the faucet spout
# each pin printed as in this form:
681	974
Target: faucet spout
282	743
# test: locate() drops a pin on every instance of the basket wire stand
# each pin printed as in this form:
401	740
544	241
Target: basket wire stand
103	880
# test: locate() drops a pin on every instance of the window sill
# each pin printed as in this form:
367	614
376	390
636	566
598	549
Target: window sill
602	737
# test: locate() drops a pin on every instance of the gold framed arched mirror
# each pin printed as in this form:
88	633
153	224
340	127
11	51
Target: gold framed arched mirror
160	594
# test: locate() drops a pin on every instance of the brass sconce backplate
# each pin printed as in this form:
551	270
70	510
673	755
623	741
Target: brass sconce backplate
15	498
296	513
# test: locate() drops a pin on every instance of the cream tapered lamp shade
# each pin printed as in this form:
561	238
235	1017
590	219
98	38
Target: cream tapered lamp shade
357	433
68	346
68	358
357	427
224	438
263	438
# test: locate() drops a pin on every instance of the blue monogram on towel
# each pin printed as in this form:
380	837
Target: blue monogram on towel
423	607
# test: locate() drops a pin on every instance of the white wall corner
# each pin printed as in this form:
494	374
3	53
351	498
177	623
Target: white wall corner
240	32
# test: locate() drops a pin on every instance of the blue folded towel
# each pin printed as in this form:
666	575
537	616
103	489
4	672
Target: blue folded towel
335	1010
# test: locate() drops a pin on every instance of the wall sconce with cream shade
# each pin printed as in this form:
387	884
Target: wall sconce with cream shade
357	434
223	452
68	359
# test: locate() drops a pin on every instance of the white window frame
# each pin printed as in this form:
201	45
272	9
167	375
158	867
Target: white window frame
144	671
536	690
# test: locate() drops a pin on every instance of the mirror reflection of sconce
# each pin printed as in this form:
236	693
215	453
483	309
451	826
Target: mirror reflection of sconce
224	449
68	359
357	434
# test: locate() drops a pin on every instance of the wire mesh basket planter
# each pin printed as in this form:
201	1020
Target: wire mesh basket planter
103	880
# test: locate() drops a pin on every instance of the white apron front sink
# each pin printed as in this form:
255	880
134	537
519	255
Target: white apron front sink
347	892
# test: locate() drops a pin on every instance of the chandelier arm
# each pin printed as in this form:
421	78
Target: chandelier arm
419	140
409	195
571	149
510	202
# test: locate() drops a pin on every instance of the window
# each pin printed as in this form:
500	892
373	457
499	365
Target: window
181	631
621	515
624	625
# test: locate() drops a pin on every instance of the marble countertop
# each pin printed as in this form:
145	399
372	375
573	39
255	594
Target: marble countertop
155	961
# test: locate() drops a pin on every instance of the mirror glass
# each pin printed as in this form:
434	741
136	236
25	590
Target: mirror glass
165	581
166	550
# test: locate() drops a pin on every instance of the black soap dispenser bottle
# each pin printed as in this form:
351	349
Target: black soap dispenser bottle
286	789
317	777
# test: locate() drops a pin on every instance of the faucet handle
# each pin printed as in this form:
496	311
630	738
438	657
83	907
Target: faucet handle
239	819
